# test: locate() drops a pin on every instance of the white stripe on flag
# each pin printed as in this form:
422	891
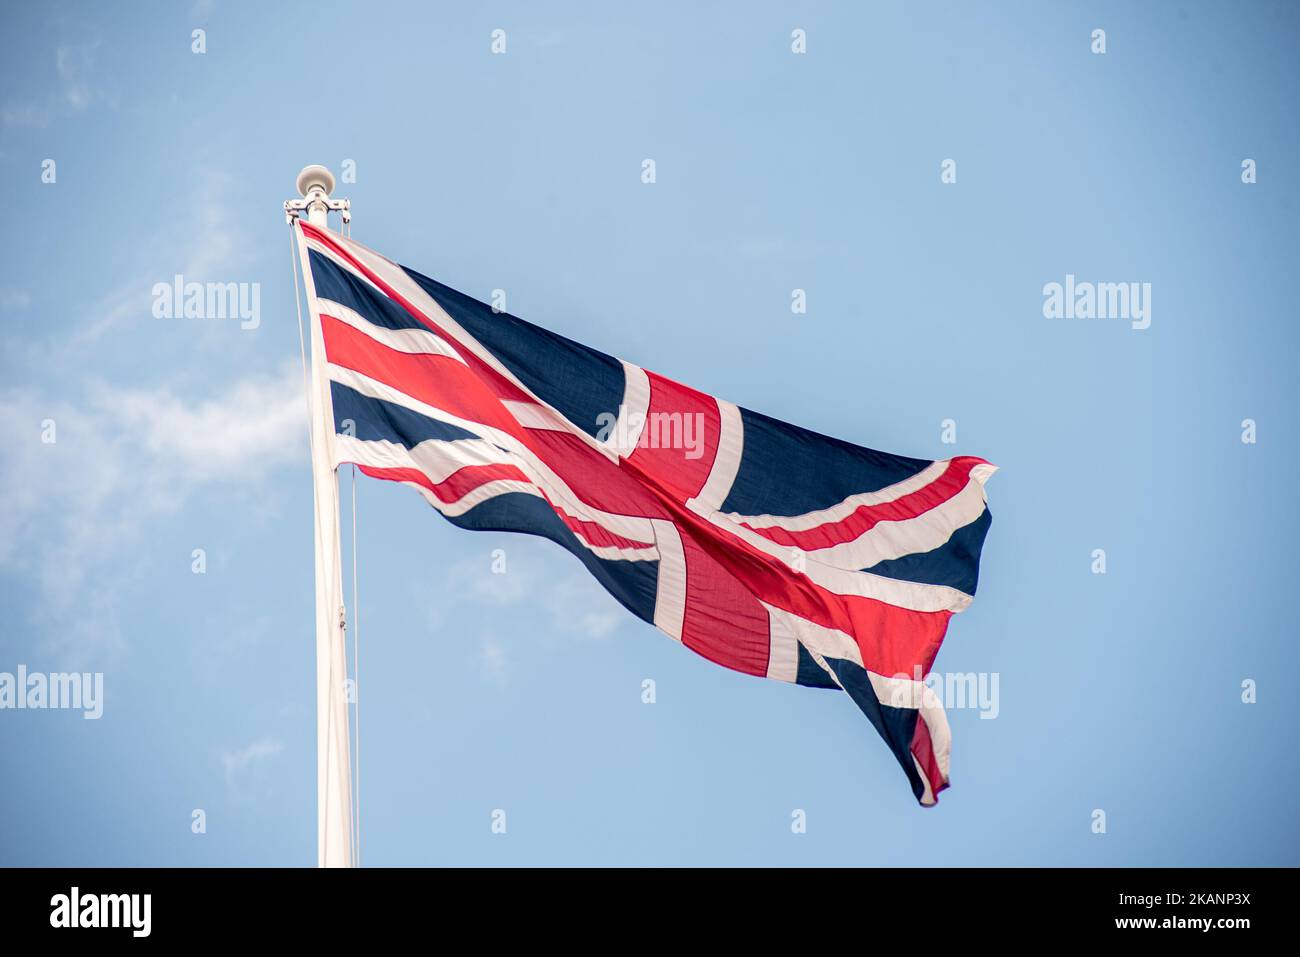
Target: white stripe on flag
927	795
726	461
925	532
842	510
410	341
826	641
633	411
783	647
670	596
438	459
477	497
315	245
532	415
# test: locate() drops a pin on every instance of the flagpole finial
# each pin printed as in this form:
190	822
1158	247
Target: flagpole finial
315	177
315	184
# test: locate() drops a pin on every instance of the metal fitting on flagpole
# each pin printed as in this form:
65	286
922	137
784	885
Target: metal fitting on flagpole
315	183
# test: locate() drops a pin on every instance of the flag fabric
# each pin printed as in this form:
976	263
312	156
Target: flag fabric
763	547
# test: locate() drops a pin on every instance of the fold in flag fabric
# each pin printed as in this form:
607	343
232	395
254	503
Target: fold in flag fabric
766	548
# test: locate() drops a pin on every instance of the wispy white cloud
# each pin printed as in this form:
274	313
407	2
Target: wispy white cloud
128	455
571	600
109	312
208	244
565	603
73	63
255	425
598	623
121	461
492	655
31	115
237	763
75	89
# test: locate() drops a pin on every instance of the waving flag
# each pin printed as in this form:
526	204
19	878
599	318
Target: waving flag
766	548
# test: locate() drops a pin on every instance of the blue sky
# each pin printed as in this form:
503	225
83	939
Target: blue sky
775	171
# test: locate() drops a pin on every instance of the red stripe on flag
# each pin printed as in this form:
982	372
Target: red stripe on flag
892	640
595	479
866	517
923	750
723	621
679	439
435	380
456	486
595	534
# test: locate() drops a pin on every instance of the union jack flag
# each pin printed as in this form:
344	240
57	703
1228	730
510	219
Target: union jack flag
766	548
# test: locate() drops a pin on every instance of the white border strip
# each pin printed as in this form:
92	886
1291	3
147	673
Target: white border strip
726	461
632	413
670	598
418	342
842	510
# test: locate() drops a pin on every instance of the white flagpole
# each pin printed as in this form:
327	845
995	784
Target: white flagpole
333	774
